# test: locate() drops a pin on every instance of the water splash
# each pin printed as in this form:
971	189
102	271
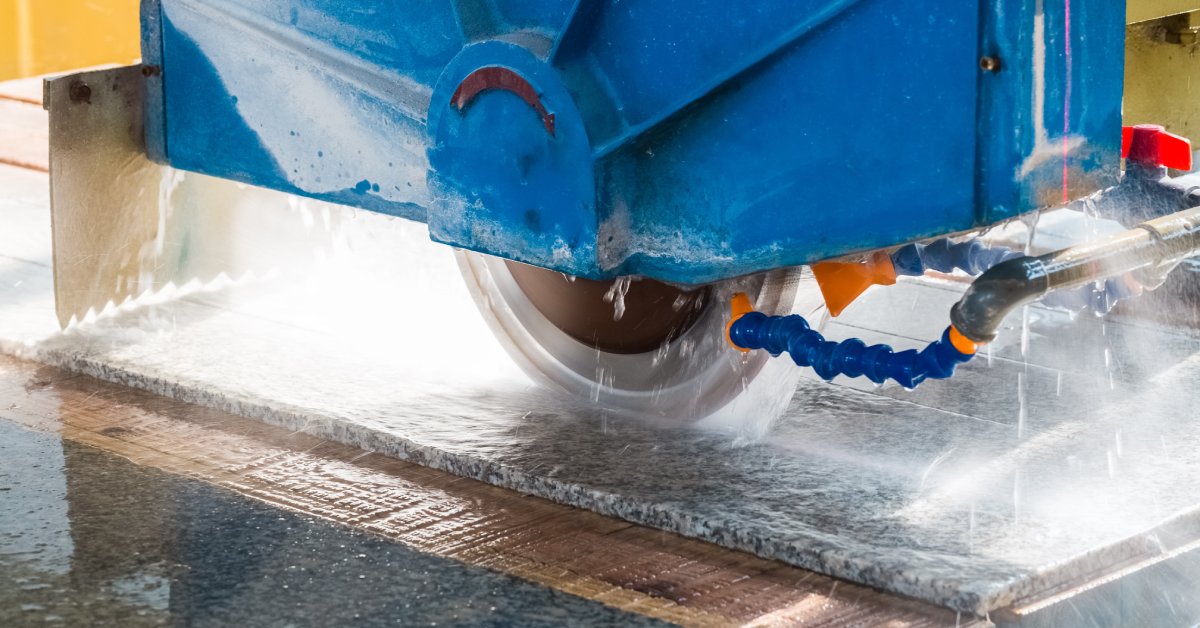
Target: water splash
1017	496
1022	411
603	378
660	353
616	295
1031	224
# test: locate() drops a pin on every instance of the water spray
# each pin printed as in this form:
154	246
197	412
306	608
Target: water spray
1093	276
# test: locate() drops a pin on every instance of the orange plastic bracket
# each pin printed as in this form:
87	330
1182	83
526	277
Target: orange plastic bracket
841	283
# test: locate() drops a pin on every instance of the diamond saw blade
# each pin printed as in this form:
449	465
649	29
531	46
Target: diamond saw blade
640	346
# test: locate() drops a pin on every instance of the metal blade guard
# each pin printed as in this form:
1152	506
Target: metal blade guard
684	141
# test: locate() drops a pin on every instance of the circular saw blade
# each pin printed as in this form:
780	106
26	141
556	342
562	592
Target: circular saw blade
688	378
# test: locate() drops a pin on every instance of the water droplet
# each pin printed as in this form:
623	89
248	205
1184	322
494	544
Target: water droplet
616	295
1021	409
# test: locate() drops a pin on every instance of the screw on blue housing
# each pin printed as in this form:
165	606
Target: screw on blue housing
852	358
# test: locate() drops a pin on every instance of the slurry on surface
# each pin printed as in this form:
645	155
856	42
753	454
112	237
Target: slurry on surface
935	493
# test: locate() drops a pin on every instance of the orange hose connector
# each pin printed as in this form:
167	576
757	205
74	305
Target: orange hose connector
739	306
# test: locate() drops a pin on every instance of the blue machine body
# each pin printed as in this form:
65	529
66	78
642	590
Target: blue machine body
685	141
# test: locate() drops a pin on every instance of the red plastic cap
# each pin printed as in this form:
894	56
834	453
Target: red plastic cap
1151	145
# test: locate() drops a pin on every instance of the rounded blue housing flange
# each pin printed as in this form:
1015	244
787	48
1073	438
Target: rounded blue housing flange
511	169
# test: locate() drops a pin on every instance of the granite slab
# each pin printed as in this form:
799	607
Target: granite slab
1042	465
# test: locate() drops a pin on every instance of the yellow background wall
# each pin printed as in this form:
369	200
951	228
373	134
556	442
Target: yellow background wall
44	36
1162	80
1142	10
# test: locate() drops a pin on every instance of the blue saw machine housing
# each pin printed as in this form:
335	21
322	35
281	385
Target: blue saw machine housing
690	143
684	141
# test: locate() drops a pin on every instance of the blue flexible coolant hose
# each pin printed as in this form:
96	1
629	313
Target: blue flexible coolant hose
973	257
879	363
945	256
852	358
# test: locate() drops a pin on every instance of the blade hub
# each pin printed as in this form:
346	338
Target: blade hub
625	316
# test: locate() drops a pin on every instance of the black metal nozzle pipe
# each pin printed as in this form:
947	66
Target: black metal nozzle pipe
1156	245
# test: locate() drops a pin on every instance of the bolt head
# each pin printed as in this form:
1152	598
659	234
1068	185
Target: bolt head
989	64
